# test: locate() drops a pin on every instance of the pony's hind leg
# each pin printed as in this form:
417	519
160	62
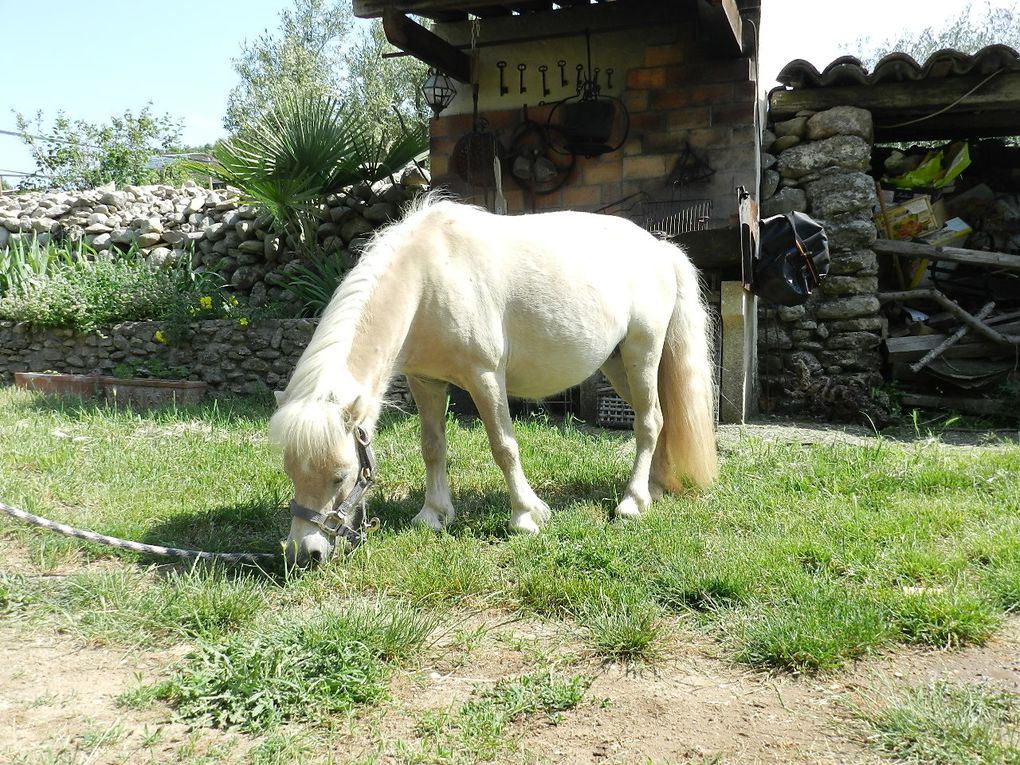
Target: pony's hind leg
639	363
615	372
489	394
430	398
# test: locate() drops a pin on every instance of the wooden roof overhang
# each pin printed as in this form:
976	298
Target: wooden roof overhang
951	95
721	19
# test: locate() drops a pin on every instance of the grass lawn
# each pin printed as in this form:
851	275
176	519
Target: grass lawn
802	559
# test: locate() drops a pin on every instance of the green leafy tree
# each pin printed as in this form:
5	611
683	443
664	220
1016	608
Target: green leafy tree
319	51
305	55
383	88
973	29
76	154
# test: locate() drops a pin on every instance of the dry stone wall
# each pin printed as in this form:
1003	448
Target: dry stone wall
233	358
823	357
211	227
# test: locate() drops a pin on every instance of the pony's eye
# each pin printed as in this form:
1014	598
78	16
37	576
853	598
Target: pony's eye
338	479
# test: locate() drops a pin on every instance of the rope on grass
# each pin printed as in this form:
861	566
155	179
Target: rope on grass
138	547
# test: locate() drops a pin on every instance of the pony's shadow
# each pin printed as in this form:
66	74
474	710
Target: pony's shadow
221	411
250	527
487	513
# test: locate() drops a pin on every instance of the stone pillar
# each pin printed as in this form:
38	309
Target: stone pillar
823	357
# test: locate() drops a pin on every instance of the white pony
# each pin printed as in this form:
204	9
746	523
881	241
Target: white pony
522	306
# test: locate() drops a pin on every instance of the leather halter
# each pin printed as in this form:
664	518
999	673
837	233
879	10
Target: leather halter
333	523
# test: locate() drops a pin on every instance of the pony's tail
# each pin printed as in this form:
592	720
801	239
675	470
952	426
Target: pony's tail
686	452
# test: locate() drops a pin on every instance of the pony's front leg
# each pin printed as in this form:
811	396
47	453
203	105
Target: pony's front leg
640	363
430	398
489	394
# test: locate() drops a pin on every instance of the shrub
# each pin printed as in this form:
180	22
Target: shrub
88	294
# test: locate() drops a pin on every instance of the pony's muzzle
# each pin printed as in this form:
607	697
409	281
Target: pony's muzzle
309	551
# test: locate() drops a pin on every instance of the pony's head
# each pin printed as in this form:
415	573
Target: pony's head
318	438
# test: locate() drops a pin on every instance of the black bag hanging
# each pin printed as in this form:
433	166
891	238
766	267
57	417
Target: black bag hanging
793	258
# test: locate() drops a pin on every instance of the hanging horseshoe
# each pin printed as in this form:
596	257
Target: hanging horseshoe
503	89
521	68
545	88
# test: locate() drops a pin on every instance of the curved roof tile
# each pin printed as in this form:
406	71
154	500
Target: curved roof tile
899	67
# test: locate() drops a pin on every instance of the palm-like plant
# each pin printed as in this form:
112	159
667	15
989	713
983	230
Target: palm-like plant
304	148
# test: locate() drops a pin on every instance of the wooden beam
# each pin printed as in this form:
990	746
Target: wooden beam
369	9
426	46
953	254
721	21
994	101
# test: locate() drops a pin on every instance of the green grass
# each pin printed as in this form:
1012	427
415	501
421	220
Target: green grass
946	724
801	558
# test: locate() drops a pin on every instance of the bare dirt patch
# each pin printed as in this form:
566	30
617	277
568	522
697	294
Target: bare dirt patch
59	704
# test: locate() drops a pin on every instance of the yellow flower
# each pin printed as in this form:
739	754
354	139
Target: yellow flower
233	300
205	302
243	321
160	337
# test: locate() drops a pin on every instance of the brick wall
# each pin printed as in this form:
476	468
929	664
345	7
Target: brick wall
681	92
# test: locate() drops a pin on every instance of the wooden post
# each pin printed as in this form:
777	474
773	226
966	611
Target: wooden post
739	374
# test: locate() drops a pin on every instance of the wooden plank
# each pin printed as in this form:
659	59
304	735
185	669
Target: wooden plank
994	406
423	44
918	251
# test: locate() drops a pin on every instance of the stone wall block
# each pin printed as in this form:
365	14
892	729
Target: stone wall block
845	152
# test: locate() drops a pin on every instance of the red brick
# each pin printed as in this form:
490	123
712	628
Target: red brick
440	165
710	137
633	147
644	121
599	171
688	117
659	55
660	100
612	193
734	114
651	78
635	100
710	94
451	125
709	72
582	197
649	166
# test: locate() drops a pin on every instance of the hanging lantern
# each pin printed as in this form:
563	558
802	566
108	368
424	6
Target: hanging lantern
438	90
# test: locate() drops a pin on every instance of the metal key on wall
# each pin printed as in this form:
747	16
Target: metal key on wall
503	89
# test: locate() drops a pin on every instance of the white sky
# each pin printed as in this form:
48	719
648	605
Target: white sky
822	30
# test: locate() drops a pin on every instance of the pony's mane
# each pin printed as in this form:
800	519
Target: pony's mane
321	370
314	409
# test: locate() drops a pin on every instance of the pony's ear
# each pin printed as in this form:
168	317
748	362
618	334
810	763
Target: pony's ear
357	410
279	395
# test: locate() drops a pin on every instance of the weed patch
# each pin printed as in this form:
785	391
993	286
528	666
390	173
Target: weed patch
945	724
294	669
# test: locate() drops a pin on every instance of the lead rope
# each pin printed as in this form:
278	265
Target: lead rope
140	547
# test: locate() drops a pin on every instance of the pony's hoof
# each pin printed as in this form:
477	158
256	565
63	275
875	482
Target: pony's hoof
525	523
628	509
434	519
655	490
